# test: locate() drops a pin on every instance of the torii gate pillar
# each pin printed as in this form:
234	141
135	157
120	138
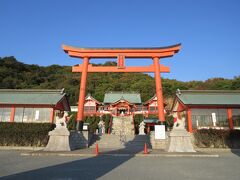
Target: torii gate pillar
82	91
158	82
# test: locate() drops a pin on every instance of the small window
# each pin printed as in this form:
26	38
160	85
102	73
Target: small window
18	117
152	108
5	114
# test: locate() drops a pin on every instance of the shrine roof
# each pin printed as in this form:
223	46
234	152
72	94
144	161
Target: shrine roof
34	97
150	120
131	52
208	97
131	97
66	47
89	96
150	100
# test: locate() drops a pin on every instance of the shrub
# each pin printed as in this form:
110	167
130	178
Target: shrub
106	118
24	134
93	122
169	121
71	125
138	118
217	138
152	116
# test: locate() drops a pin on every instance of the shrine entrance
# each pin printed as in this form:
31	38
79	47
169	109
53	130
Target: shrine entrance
121	53
122	111
122	108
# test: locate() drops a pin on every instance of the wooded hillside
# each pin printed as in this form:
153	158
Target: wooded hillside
17	75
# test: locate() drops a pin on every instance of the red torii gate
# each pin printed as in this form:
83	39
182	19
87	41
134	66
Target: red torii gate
121	53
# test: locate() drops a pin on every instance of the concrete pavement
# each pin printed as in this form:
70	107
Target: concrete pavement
15	166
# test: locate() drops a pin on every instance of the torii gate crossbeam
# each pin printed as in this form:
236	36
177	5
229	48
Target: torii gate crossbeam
121	53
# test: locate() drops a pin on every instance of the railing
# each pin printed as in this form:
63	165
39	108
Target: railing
222	121
236	120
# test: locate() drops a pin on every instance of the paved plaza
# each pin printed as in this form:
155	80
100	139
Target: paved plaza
16	165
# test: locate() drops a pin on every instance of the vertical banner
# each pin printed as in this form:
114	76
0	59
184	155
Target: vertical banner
214	119
36	114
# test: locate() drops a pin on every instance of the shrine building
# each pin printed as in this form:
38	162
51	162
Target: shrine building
91	106
31	106
120	104
208	109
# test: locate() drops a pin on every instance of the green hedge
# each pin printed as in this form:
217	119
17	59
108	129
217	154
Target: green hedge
71	125
24	134
106	119
138	118
216	138
93	122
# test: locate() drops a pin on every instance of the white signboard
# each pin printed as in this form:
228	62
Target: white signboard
85	127
214	119
37	115
159	131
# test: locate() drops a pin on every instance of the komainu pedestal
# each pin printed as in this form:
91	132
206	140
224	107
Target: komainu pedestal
180	139
58	140
59	137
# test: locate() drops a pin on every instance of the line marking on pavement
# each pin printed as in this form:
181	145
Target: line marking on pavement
122	155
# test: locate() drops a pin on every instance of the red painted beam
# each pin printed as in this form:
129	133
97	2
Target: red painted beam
115	55
146	69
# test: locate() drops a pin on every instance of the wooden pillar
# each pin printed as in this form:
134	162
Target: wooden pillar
52	116
179	115
81	99
158	82
230	120
12	114
189	120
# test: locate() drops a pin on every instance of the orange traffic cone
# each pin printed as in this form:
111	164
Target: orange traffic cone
96	150
145	149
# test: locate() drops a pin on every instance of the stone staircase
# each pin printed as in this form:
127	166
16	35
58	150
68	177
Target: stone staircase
122	136
137	142
113	141
123	126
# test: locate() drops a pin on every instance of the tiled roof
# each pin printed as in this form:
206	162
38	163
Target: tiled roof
89	96
150	120
33	96
132	97
208	97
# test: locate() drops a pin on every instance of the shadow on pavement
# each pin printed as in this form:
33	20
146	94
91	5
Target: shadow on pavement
89	168
236	152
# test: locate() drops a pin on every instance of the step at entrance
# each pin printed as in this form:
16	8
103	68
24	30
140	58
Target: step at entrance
115	142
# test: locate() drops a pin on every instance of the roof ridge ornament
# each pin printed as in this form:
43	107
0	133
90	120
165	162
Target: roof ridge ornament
62	90
178	92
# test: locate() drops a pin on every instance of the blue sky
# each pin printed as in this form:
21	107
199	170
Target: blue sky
33	32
